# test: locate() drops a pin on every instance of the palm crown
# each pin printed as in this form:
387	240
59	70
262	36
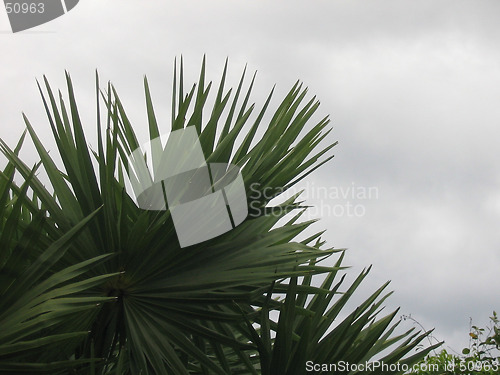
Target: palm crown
92	283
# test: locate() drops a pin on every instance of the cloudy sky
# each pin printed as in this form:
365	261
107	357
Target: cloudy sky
413	90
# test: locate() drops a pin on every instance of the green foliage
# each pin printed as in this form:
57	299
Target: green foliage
481	357
91	283
39	306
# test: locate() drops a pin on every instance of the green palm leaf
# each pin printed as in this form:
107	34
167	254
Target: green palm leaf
34	299
305	332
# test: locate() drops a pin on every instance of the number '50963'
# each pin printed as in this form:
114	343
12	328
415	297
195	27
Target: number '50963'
25	8
478	366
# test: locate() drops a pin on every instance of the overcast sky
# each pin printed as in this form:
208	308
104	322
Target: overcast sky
413	90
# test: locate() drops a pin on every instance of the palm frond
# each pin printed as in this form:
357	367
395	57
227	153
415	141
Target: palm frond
177	310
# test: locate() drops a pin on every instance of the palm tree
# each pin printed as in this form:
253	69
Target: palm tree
92	283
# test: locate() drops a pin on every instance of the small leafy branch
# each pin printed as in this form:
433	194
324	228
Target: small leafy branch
481	357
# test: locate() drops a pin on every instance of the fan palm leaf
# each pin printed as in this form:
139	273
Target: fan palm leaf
36	302
189	310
